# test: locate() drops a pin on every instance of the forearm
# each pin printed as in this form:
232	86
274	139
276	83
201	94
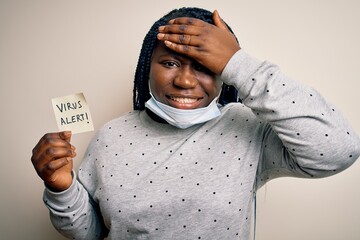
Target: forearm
316	140
73	214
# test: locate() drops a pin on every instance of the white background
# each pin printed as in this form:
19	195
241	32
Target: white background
54	48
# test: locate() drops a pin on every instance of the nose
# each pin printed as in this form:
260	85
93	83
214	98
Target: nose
186	78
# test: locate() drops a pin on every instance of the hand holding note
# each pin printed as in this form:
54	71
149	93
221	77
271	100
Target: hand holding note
52	156
52	160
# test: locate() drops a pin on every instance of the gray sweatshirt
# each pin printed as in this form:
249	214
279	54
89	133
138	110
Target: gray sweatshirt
141	179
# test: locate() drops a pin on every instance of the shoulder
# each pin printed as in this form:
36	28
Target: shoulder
237	110
122	122
126	118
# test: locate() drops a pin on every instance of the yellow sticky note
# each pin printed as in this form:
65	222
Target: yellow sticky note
72	113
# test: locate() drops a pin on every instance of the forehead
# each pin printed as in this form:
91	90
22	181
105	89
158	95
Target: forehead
161	50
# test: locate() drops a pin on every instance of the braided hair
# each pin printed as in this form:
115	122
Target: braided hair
141	81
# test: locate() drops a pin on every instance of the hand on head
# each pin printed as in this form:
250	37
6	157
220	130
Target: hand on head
210	45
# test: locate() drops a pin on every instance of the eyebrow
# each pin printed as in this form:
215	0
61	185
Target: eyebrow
176	55
171	53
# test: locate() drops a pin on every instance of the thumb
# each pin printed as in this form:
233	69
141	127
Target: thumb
66	135
218	21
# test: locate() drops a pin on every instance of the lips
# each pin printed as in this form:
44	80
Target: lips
184	100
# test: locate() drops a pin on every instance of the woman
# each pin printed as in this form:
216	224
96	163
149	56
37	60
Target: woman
186	162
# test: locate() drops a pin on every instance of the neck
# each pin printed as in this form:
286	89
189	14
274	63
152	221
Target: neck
155	117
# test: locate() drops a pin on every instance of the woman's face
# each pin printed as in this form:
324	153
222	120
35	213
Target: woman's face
179	81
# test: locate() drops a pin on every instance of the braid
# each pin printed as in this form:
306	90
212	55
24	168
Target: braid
141	80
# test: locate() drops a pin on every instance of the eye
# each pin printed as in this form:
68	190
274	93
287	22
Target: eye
201	68
170	64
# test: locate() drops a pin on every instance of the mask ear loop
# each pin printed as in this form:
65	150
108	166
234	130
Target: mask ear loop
149	86
217	78
150	90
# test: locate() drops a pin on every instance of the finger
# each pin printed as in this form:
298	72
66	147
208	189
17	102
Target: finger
187	21
179	29
52	148
179	38
60	139
53	154
218	21
52	166
52	137
50	141
182	49
56	152
65	135
50	152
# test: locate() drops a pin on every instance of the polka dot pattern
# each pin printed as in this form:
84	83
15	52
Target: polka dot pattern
154	180
183	180
305	128
176	179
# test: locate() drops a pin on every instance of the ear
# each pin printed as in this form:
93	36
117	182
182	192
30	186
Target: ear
218	21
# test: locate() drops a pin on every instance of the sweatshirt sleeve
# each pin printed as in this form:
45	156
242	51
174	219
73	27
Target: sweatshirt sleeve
304	135
73	212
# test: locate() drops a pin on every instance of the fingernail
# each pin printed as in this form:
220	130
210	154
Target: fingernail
167	43
160	36
67	133
161	28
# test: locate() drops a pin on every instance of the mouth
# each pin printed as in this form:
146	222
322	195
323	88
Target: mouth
184	102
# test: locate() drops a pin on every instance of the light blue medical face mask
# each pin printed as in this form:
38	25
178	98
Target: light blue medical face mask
183	118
